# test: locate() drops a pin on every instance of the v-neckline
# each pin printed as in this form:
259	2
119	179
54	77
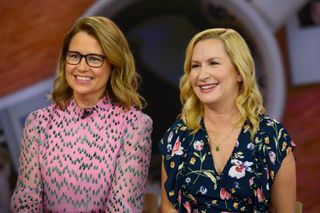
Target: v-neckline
227	164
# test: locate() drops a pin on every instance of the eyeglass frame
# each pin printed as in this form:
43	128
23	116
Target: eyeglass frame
85	57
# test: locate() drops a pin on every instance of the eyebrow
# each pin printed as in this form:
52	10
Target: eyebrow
72	51
214	58
209	59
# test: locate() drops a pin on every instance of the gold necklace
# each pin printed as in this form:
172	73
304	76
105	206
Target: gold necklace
217	146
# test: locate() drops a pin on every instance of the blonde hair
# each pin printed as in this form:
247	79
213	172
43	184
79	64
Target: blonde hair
249	102
124	80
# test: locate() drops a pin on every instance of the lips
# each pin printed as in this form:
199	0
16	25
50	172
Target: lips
83	78
205	87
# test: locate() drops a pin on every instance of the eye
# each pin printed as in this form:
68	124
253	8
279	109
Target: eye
194	66
95	58
213	63
73	55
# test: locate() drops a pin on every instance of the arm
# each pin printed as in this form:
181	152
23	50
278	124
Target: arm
28	192
128	184
283	193
166	206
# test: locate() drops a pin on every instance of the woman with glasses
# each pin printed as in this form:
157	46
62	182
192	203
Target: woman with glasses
224	153
90	150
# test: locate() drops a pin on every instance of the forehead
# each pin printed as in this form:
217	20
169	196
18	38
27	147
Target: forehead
211	47
85	43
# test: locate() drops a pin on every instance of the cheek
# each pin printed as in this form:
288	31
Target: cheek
192	78
104	72
68	72
103	76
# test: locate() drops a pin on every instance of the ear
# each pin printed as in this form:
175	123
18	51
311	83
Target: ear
239	78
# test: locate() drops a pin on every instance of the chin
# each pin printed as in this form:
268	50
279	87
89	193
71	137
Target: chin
208	100
81	92
209	103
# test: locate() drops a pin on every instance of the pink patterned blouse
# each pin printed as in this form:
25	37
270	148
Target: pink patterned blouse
72	160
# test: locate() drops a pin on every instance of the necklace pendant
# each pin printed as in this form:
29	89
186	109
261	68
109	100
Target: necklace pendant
217	149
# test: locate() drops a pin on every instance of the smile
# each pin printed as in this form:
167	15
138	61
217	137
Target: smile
83	78
208	86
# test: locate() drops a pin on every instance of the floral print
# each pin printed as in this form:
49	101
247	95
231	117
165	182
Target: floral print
177	148
198	145
193	184
238	170
224	194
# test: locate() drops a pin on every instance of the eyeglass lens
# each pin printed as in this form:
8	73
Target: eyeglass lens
92	60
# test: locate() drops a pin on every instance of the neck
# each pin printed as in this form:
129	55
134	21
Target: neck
218	119
221	127
85	103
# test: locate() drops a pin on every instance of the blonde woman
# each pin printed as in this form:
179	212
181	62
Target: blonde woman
224	153
90	150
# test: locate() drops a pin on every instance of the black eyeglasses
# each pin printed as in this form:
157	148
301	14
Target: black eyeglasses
93	60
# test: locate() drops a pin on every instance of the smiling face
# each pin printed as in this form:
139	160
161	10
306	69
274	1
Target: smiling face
213	76
88	83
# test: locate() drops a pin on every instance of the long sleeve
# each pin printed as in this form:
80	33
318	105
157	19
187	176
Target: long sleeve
27	196
129	180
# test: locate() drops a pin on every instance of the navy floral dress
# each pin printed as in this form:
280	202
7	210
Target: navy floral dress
244	185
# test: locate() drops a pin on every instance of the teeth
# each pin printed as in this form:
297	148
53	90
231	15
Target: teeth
83	78
206	87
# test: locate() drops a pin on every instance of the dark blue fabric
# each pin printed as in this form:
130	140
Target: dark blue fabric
245	182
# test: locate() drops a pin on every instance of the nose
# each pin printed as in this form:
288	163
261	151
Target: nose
82	66
203	73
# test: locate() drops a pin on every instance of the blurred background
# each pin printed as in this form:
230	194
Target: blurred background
284	37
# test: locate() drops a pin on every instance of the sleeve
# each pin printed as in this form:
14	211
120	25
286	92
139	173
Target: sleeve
278	144
173	146
128	184
27	196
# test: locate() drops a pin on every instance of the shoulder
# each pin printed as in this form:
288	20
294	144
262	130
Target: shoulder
175	135
177	129
125	115
267	121
37	121
41	115
272	128
274	142
136	117
137	129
